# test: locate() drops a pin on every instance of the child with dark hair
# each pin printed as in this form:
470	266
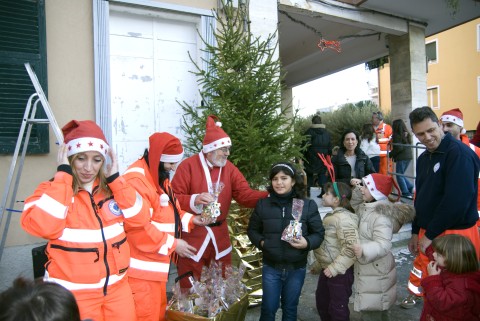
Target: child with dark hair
27	301
335	256
284	259
452	287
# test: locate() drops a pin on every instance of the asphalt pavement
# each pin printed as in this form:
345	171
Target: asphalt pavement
308	312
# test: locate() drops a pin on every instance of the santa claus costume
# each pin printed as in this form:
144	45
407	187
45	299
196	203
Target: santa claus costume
196	175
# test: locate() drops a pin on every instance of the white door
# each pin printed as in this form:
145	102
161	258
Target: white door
150	70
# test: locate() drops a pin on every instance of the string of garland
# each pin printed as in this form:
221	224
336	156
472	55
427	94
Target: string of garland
319	33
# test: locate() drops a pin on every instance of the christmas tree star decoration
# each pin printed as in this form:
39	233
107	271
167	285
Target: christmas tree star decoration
329	44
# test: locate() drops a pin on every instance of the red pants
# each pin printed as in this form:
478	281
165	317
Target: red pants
150	299
185	265
117	305
419	269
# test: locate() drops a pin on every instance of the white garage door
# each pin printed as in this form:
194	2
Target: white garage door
149	72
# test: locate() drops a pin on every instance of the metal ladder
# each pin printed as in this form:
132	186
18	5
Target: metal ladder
27	123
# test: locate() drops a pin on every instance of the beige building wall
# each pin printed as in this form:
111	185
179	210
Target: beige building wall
455	73
384	92
70	64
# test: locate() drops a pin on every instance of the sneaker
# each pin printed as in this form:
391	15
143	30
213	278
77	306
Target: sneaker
410	301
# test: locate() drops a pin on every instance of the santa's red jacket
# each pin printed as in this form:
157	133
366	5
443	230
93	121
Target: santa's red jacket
192	177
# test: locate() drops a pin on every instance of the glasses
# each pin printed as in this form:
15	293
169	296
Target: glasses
225	149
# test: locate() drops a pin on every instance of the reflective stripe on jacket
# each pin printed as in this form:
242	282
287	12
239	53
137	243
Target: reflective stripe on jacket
152	245
87	248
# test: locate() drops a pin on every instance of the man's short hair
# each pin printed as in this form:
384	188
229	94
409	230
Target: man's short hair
378	114
316	119
420	114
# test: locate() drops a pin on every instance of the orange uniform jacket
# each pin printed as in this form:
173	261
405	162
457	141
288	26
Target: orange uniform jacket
466	141
87	249
384	134
152	245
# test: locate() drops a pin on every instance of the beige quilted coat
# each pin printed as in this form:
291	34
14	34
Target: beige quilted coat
336	252
375	271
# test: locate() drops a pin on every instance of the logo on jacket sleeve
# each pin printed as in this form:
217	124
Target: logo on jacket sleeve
113	207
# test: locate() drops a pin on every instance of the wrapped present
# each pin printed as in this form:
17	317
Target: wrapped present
211	212
212	297
236	312
292	231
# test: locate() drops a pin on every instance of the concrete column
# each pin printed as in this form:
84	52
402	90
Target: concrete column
408	74
287	97
408	77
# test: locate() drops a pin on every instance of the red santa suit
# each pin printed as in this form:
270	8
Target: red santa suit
194	176
153	245
87	250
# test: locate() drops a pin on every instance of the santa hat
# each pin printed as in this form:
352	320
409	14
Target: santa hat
84	136
380	186
215	137
453	116
166	148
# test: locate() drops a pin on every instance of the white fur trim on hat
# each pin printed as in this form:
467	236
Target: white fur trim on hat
369	183
219	143
87	144
166	158
452	119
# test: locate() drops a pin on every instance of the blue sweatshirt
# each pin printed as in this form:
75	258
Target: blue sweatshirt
446	188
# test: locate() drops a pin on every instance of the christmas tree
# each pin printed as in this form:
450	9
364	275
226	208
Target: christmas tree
242	86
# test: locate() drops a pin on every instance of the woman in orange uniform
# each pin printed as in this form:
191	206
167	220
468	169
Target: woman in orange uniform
153	245
82	211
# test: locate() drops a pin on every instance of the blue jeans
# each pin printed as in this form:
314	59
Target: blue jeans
405	186
284	286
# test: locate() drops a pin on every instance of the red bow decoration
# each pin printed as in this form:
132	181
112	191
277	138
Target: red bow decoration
327	161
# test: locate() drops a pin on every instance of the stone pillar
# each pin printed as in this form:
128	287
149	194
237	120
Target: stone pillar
408	76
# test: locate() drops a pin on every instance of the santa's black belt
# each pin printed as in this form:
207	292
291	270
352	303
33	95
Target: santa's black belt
218	223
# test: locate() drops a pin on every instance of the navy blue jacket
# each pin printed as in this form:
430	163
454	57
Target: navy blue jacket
267	223
446	188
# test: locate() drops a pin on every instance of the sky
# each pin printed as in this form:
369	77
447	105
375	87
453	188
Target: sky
347	86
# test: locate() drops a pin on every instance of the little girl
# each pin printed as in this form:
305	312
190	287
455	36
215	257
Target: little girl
452	289
284	260
335	256
375	273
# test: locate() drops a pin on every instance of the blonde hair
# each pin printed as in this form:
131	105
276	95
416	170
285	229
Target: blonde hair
459	253
103	186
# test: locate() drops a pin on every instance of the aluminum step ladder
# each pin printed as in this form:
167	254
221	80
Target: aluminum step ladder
27	123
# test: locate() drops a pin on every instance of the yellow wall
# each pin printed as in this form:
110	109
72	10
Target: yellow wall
455	72
70	91
384	93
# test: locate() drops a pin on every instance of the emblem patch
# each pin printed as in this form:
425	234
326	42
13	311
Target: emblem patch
436	167
113	207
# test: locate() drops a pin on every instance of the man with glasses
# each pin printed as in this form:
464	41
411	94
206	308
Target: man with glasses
199	181
384	134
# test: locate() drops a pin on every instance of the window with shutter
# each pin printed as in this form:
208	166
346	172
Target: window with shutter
22	39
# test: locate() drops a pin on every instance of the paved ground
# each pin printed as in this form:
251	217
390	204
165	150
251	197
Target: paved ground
17	261
308	312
